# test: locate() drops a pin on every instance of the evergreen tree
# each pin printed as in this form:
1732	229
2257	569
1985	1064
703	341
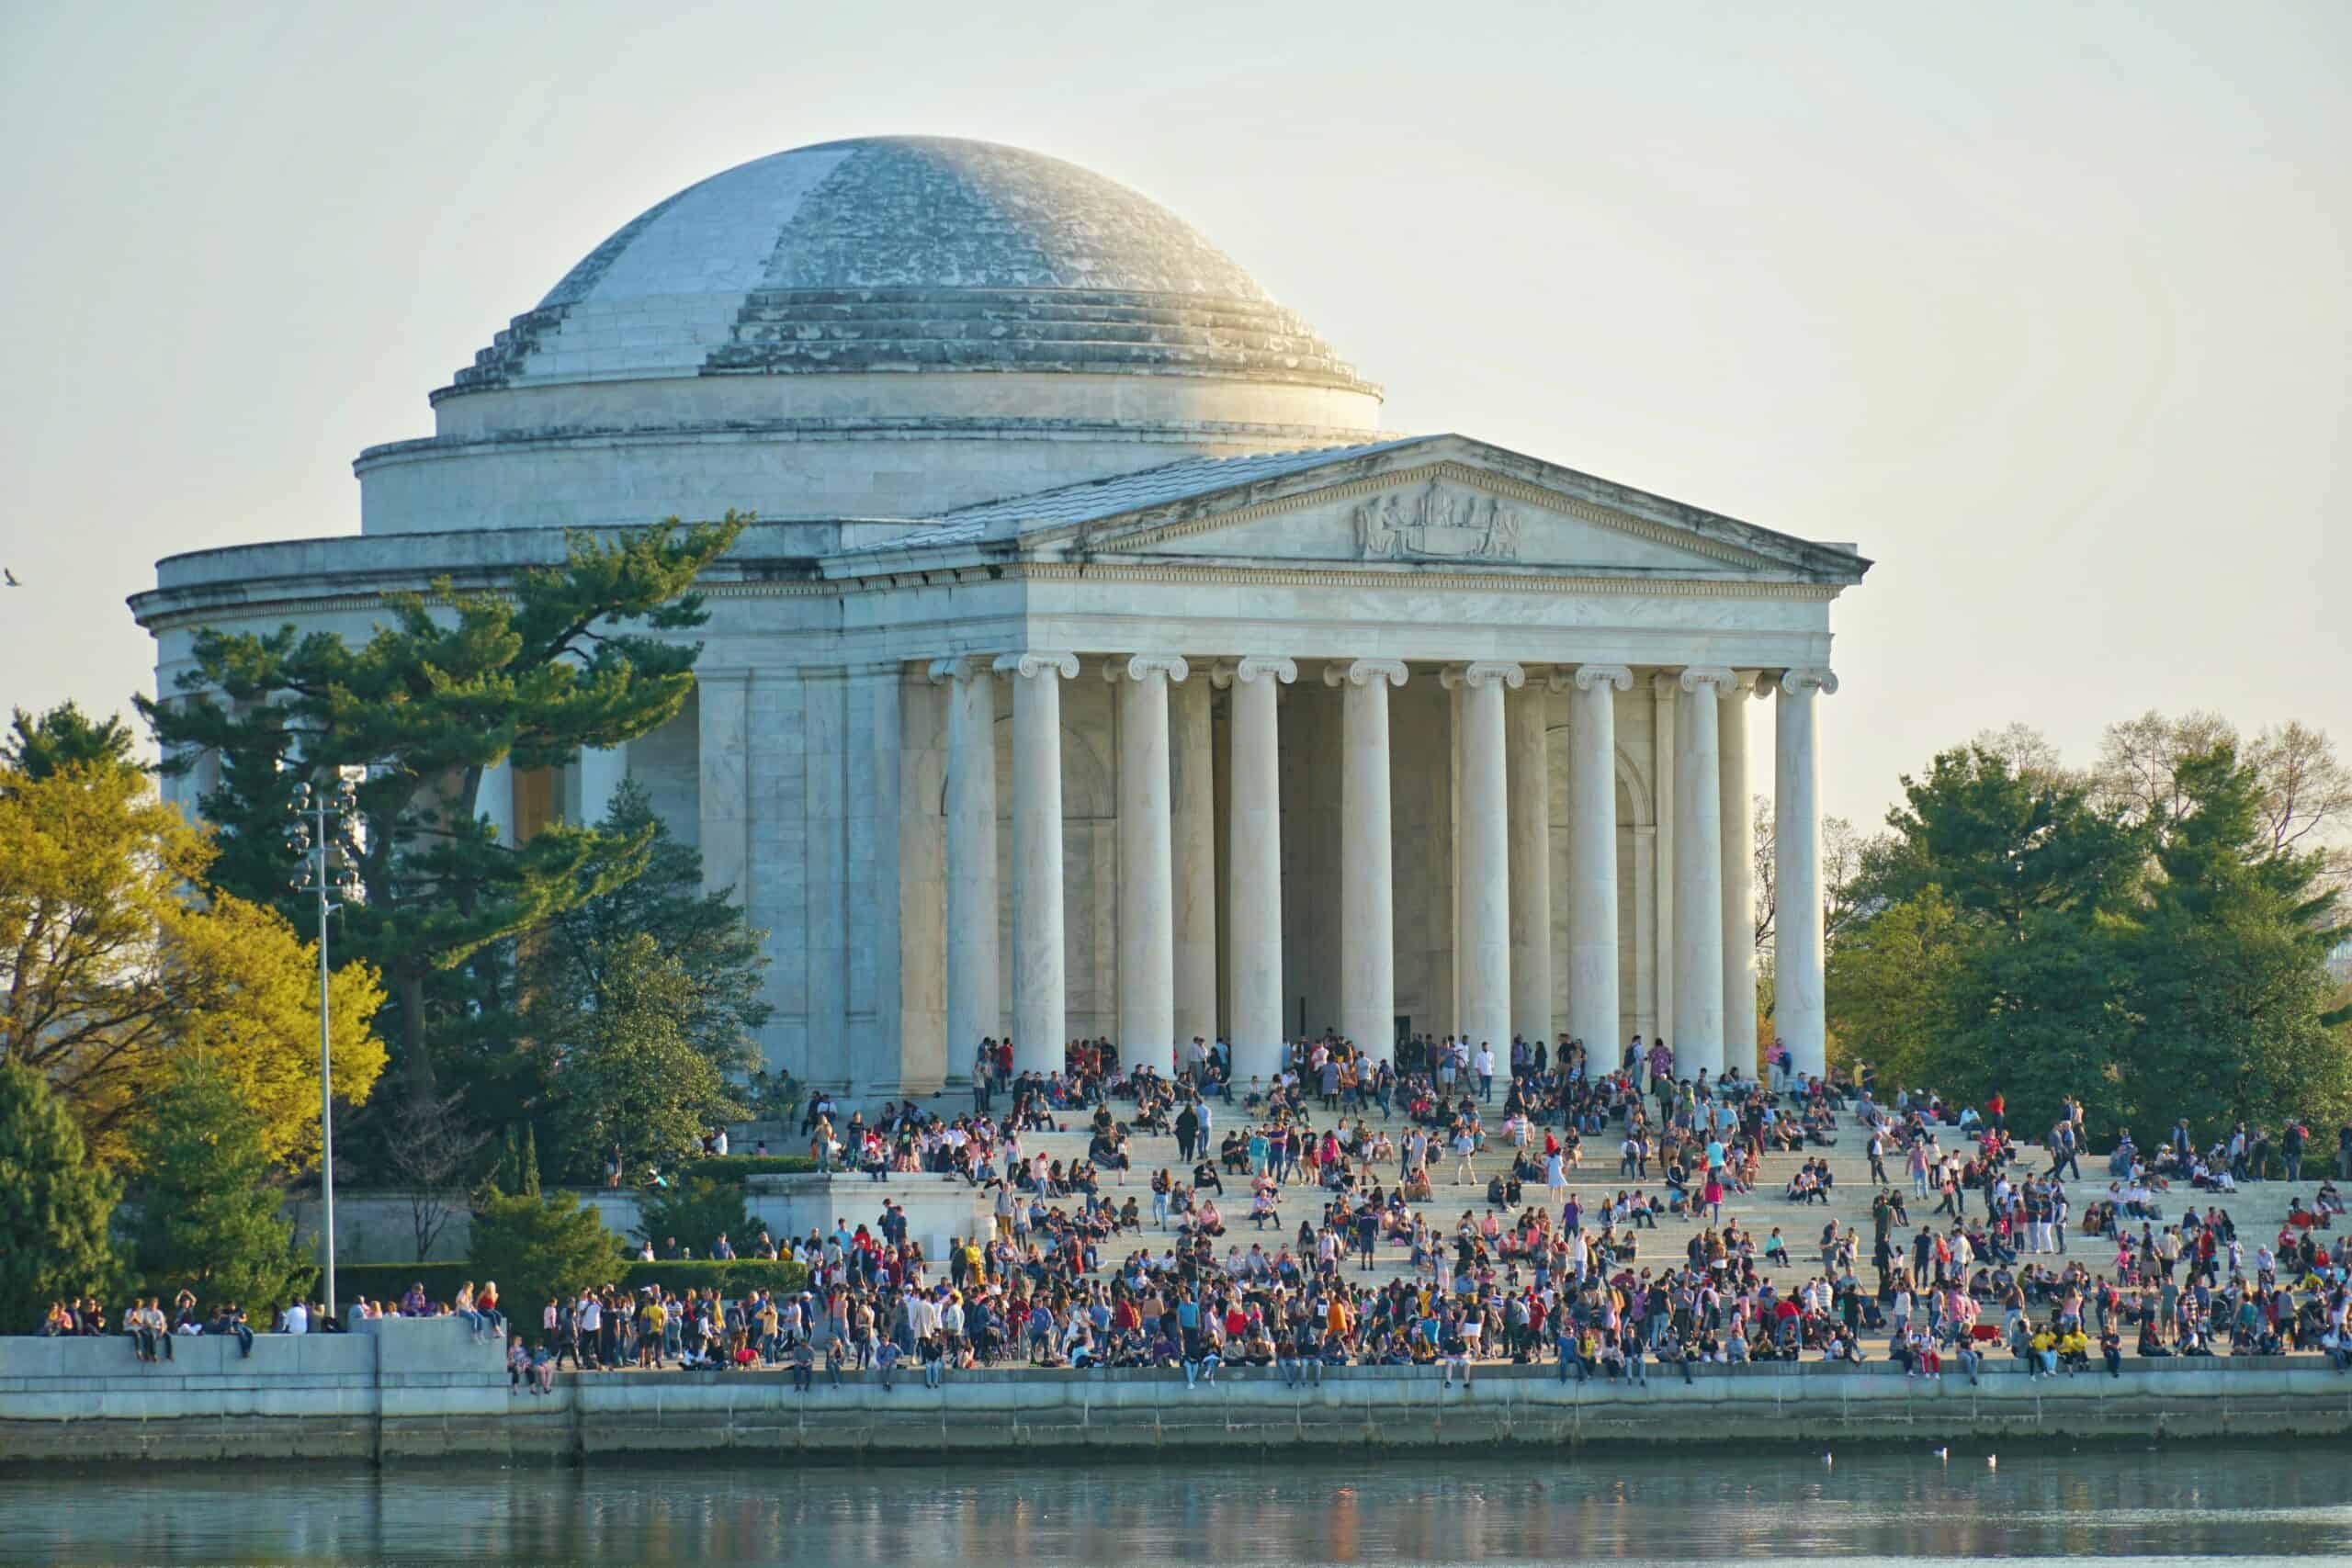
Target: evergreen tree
208	1198
722	956
55	1205
2229	968
2002	843
64	737
451	685
537	1248
696	1213
628	1073
1888	989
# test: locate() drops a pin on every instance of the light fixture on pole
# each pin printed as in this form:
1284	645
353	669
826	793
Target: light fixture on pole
324	840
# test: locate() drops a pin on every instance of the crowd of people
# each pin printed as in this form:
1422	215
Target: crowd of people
1276	1242
1447	1210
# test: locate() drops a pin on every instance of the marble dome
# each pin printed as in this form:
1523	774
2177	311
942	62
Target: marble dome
897	254
886	328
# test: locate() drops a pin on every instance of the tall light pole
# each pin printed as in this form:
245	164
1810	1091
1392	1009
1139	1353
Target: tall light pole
324	839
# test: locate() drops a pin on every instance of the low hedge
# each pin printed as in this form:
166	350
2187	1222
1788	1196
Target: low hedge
735	1168
388	1283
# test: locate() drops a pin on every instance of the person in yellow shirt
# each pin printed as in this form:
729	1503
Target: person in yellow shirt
2044	1348
650	1320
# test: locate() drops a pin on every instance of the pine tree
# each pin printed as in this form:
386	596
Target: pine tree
450	686
630	1076
208	1198
55	1205
722	955
537	1248
38	745
2230	974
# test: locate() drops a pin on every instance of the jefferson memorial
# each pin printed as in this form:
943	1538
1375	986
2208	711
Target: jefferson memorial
1098	666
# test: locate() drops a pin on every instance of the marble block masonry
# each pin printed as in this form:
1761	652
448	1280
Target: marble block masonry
1097	665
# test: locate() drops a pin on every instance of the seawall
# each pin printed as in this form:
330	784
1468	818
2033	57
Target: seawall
415	1391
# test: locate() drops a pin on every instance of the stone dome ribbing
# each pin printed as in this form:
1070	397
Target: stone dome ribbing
906	253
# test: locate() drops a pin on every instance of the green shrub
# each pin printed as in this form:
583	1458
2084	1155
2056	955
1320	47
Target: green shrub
387	1282
694	1213
737	1279
542	1246
735	1168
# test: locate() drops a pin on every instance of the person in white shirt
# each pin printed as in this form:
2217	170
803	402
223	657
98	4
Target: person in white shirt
1483	1064
295	1319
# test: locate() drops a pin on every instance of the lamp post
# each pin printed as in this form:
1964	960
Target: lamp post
324	839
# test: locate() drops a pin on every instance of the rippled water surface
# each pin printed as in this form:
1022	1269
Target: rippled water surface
2182	1503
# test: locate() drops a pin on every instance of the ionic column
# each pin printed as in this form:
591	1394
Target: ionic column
1698	1039
1594	988
1665	692
1039	983
602	771
1253	919
1192	814
975	1004
1146	889
1527	716
1799	1009
1367	912
1739	877
1483	866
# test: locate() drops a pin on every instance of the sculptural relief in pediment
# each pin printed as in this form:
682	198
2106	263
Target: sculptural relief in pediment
1436	522
1436	519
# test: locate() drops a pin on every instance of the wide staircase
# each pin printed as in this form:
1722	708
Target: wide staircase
2257	1208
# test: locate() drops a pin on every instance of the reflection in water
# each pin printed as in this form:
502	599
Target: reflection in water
1888	1504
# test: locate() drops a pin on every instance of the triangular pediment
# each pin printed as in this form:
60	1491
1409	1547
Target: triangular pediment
1435	514
1435	502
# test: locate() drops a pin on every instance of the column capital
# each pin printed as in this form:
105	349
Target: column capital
1364	672
1585	677
1485	673
1143	666
1032	664
1254	667
1714	676
1794	681
960	667
1666	683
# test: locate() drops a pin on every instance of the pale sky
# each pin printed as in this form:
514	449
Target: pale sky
2047	307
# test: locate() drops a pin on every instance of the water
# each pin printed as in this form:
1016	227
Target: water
2182	1503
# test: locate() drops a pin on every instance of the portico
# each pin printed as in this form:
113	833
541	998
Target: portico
1511	787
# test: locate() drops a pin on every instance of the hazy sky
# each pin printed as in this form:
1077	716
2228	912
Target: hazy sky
2046	306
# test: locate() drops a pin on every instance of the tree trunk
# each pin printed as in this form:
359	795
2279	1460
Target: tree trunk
415	1053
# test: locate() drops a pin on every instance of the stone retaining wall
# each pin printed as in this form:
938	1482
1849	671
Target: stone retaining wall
428	1390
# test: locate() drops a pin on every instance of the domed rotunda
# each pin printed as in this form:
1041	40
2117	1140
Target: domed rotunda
1096	668
890	327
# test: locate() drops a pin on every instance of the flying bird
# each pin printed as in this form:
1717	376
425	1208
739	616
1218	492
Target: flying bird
11	577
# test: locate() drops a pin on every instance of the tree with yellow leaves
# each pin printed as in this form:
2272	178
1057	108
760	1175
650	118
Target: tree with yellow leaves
115	956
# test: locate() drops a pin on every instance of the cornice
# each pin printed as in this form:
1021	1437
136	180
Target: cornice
1425	581
1303	576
